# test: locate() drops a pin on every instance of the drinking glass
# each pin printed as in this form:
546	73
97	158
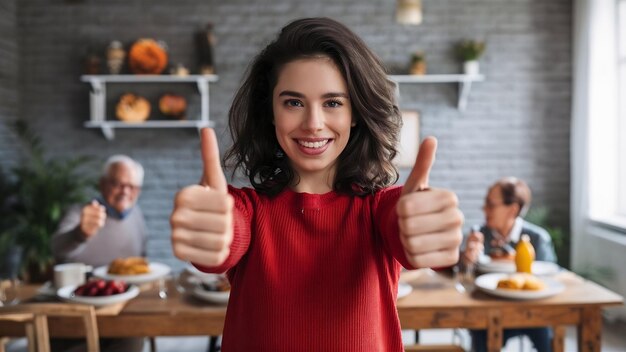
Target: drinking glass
464	275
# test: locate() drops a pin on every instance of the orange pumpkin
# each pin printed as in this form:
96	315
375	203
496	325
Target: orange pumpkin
147	57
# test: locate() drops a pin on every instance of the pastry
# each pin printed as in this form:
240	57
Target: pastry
513	282
521	281
129	266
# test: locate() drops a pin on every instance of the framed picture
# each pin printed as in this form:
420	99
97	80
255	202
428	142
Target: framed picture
409	139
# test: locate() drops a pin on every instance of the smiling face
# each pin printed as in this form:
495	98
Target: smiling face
313	117
120	188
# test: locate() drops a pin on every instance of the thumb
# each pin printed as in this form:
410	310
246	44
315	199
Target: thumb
212	174
418	178
95	204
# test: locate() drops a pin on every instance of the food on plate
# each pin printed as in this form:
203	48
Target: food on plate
521	281
132	108
220	285
533	283
504	253
100	287
129	266
513	282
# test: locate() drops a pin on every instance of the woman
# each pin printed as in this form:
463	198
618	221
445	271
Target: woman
313	251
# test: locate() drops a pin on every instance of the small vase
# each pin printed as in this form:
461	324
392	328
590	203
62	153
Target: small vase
205	41
115	57
471	67
418	68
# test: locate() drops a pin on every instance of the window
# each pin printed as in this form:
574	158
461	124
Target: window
607	116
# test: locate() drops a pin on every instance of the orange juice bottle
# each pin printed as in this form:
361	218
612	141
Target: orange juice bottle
525	254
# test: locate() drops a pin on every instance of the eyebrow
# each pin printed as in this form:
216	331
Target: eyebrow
325	96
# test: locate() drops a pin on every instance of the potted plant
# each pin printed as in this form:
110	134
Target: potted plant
42	189
418	64
469	51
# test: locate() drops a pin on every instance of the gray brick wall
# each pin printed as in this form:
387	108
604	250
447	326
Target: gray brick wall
9	54
517	121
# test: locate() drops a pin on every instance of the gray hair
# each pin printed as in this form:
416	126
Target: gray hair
126	160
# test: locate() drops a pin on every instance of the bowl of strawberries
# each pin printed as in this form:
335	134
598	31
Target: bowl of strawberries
98	292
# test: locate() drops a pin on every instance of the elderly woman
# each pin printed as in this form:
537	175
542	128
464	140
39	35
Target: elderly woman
507	201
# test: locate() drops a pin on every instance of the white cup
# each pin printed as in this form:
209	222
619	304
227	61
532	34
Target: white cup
70	274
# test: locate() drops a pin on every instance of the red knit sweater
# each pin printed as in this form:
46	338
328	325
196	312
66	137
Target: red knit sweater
313	272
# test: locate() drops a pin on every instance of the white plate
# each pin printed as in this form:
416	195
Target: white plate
489	283
404	289
202	276
504	266
157	271
67	294
219	297
47	289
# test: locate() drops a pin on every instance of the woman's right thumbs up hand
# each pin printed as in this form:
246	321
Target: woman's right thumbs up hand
202	219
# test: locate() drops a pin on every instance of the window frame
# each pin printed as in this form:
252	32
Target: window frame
620	210
606	150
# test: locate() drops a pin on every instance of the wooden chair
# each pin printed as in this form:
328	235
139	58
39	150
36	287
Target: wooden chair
37	322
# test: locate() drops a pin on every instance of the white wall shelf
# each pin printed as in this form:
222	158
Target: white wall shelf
98	101
464	81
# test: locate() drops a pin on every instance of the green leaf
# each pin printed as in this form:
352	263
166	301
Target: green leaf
35	196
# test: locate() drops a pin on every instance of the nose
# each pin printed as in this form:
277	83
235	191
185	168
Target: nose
314	119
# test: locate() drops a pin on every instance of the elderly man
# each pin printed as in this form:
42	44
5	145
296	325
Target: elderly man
506	202
109	227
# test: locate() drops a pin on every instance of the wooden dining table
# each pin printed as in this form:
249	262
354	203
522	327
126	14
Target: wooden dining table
435	302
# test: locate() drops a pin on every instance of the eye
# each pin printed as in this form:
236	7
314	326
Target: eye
293	103
333	103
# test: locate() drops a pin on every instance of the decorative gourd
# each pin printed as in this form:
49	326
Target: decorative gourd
147	57
132	108
524	255
173	105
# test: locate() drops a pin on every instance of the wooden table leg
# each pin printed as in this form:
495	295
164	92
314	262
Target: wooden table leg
590	330
558	340
494	330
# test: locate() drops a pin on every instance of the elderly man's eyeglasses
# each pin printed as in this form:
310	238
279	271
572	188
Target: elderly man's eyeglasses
120	186
492	205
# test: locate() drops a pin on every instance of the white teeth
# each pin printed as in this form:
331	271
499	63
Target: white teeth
314	145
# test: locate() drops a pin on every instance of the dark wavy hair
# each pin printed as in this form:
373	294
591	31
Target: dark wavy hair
364	166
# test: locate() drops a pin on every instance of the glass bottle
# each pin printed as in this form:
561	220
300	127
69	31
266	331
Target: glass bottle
524	255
